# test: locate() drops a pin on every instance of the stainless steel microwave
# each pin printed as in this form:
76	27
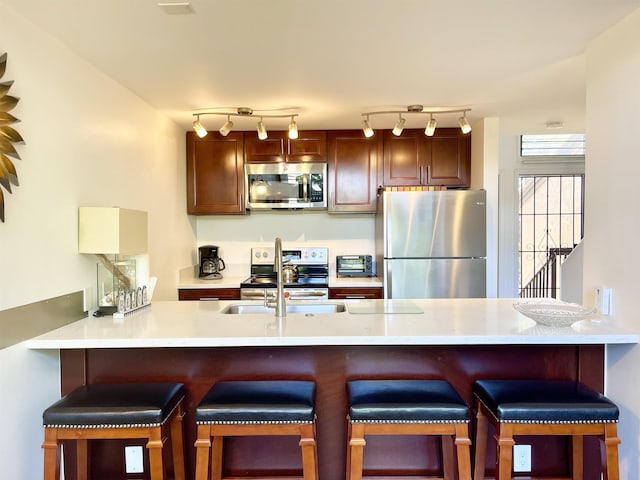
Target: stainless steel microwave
282	185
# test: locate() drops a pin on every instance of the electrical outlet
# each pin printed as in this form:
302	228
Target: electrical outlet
522	458
133	459
602	300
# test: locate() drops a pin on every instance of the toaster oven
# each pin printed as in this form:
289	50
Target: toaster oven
354	266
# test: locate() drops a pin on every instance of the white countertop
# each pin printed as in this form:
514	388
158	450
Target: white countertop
442	322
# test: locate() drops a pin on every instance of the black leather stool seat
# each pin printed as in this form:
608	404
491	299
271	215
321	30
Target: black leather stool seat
405	401
544	401
115	406
258	401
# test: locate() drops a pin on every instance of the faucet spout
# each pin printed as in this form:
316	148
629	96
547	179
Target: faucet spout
281	310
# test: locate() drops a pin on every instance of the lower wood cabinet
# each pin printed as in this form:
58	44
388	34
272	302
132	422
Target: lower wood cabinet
209	294
345	293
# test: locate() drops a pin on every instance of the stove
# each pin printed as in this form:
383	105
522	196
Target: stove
313	274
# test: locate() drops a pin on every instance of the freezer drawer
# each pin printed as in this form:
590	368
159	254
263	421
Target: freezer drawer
435	278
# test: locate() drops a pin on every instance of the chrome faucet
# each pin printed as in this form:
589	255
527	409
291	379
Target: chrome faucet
281	308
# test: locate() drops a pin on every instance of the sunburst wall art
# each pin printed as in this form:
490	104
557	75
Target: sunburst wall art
8	136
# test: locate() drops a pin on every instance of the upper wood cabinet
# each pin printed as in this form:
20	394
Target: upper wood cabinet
215	174
353	171
415	159
310	146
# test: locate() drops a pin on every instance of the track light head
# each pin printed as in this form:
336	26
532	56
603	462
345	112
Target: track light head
226	128
399	126
464	124
262	131
293	129
431	127
199	128
366	128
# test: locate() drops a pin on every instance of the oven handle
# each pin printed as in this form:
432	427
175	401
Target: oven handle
293	296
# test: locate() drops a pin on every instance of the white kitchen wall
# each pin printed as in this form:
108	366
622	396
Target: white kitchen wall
611	224
88	141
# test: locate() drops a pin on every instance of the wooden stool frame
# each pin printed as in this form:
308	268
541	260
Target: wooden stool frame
505	431
217	432
451	434
156	437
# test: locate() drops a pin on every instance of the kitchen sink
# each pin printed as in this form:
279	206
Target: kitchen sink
311	307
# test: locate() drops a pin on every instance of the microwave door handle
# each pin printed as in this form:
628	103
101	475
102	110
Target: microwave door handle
305	187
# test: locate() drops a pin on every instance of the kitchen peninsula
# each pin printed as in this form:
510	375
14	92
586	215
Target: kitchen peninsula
459	340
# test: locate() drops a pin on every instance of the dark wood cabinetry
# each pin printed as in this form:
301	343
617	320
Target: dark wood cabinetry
414	159
209	294
310	146
344	293
215	174
353	178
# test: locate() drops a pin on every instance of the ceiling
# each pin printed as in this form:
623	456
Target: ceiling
331	60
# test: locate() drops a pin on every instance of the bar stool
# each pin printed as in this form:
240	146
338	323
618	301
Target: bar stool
260	407
543	407
408	407
116	411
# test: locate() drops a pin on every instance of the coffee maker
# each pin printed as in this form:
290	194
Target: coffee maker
210	263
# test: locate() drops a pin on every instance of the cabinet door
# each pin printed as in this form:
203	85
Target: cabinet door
344	293
310	146
215	174
450	158
271	150
209	294
353	171
405	158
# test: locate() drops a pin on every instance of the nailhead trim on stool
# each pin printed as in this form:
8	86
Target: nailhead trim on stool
116	411
255	408
543	407
408	407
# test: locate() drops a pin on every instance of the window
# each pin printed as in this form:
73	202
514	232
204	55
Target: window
557	145
551	224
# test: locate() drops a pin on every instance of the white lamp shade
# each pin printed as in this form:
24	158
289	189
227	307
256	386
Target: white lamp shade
112	230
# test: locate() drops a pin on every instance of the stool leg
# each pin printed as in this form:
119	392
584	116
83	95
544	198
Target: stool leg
463	444
177	446
82	459
154	446
216	457
356	446
611	442
203	444
309	452
51	455
505	443
480	445
577	463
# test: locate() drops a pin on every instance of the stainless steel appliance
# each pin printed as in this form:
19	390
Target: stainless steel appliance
210	263
354	266
310	283
432	244
286	186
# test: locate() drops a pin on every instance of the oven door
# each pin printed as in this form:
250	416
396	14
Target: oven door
290	293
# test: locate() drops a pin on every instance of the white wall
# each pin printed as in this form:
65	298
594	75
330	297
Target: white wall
88	141
611	224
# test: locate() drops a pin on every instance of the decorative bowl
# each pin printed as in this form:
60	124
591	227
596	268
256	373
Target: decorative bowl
553	313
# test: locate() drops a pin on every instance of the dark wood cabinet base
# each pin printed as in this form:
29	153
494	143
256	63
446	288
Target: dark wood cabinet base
331	367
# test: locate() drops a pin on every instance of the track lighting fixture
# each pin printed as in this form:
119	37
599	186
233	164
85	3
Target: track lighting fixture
418	109
226	128
397	130
431	127
201	131
198	128
262	131
293	129
366	128
464	124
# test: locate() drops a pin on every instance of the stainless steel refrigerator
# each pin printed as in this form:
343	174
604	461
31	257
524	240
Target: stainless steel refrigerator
432	244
